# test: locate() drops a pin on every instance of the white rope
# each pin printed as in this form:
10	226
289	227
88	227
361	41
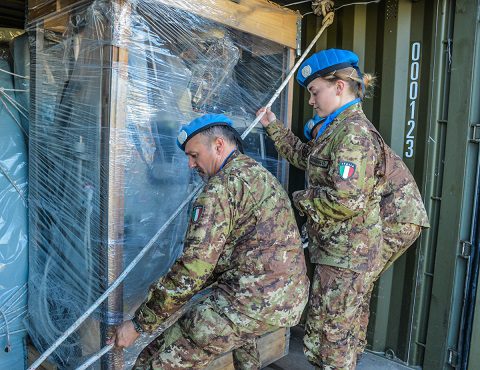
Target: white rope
298	2
152	241
14	74
15	103
341	6
96	356
359	3
115	284
199	297
14	184
327	23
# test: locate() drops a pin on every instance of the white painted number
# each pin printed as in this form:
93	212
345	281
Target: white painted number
412	97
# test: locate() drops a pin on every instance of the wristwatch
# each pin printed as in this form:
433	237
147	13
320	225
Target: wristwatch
137	326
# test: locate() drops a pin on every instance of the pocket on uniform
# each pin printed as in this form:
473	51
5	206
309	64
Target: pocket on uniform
209	330
318	169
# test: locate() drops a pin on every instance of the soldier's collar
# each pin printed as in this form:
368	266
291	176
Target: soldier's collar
347	112
230	157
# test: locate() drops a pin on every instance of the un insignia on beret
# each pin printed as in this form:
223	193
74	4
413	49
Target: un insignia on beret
306	71
310	124
182	136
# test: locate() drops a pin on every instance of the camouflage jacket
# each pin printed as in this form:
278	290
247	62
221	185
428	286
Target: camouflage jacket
355	184
243	236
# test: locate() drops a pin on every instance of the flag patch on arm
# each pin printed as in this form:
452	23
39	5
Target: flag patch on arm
197	213
346	169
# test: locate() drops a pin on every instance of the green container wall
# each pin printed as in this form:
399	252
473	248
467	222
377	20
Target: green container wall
425	55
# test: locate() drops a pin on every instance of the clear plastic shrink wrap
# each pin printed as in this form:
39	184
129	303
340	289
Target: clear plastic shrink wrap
110	92
13	223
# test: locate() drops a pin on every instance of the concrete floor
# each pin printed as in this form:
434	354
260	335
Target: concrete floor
296	360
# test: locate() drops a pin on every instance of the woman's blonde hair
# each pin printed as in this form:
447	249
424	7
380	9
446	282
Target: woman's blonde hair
350	75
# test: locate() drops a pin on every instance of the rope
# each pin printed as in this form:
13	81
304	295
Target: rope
327	21
14	74
199	297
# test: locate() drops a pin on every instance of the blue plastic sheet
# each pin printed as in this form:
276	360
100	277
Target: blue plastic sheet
13	226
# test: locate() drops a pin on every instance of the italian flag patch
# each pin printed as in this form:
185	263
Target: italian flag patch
197	213
346	169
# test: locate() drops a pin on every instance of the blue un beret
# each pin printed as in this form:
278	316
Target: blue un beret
311	124
200	124
323	62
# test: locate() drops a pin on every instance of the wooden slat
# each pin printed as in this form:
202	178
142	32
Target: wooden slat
258	17
271	346
224	362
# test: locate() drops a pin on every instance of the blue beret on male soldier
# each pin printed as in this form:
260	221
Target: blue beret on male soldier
311	124
324	62
200	124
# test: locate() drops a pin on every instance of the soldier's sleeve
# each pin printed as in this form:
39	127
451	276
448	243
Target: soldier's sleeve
352	178
288	145
210	225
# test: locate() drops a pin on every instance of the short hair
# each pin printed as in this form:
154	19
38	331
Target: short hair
226	132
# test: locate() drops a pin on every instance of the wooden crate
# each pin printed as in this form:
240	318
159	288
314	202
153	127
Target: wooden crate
271	346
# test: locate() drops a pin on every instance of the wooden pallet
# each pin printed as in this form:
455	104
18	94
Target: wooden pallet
271	346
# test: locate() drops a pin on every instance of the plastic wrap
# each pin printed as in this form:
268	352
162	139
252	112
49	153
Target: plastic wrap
21	67
13	225
109	94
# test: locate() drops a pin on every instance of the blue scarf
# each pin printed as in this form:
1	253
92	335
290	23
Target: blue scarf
226	159
329	119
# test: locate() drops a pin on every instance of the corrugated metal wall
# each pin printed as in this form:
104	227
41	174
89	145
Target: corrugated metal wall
425	56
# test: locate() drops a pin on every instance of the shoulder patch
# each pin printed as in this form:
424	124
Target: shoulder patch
346	169
197	213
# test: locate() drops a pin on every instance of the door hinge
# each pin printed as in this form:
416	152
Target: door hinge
466	250
452	357
475	133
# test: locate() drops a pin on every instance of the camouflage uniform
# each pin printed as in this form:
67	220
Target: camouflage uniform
242	236
363	210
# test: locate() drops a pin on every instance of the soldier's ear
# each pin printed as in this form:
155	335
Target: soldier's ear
219	144
340	86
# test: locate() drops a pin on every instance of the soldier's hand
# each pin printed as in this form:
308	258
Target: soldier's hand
268	117
125	335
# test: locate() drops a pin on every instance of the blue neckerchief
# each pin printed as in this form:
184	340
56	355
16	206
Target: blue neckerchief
329	119
226	159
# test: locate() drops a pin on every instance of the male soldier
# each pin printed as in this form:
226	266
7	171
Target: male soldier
242	236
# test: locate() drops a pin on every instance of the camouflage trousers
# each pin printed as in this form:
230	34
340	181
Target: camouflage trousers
337	318
200	336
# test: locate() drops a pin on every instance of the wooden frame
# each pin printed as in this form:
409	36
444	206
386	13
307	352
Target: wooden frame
258	17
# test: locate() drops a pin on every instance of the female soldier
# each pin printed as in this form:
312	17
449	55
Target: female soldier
362	205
